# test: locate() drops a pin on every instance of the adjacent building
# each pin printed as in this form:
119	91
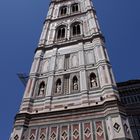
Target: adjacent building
130	96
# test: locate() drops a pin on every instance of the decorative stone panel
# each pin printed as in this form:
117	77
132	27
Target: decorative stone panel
99	130
45	65
74	60
53	133
75	132
64	132
87	131
60	63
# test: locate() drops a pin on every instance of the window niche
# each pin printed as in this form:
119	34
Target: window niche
61	32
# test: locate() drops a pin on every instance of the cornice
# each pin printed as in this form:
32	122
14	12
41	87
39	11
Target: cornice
69	112
70	42
69	16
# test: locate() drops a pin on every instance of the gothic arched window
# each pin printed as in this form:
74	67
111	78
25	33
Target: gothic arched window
58	86
61	32
74	7
41	89
93	81
76	29
63	10
75	83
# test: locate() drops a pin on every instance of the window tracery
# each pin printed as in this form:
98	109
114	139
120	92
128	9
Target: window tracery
63	10
76	29
61	32
74	7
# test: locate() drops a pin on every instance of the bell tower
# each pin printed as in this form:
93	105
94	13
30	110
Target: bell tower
71	93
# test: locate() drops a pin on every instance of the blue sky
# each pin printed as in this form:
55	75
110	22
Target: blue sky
21	23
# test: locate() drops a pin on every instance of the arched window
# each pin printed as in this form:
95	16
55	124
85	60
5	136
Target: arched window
93	81
75	83
41	89
76	29
58	86
63	10
61	31
74	7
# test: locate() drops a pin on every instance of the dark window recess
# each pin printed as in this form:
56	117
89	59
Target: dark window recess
61	33
63	11
138	97
125	101
76	29
75	8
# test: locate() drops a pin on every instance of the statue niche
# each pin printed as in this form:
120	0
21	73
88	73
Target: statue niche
93	81
58	86
75	83
41	91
